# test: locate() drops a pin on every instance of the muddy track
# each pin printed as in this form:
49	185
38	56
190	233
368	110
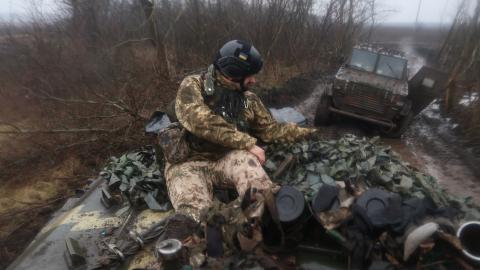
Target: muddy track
423	146
444	160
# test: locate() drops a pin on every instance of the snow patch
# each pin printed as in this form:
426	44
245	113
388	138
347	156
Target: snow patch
432	111
468	99
288	115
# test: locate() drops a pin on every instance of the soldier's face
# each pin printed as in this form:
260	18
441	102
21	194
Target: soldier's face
249	81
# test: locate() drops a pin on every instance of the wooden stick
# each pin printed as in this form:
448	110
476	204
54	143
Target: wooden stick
284	165
22	131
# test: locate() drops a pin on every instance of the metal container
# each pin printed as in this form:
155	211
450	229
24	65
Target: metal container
290	204
469	233
325	199
169	249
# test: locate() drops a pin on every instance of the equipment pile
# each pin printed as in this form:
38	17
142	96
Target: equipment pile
354	192
360	162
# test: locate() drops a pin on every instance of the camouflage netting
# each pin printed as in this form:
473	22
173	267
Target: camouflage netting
138	178
360	161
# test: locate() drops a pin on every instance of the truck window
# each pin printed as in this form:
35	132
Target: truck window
363	60
391	66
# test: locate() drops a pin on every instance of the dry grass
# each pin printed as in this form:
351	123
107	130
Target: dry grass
29	196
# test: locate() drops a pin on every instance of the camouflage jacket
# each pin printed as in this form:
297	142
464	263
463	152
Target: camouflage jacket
210	136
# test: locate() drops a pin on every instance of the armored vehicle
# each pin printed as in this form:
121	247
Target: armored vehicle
86	228
373	86
117	222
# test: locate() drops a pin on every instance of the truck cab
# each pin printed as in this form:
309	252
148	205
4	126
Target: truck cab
372	86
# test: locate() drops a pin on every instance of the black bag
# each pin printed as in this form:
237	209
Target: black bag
173	143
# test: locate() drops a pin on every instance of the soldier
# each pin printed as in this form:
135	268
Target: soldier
223	122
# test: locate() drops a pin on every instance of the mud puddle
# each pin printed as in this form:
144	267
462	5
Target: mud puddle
421	146
424	148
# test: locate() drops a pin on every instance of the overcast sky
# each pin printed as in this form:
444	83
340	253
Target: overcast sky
431	11
400	11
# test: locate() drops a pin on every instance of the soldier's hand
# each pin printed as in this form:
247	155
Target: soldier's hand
316	135
258	152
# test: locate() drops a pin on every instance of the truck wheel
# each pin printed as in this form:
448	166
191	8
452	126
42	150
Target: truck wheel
323	116
402	126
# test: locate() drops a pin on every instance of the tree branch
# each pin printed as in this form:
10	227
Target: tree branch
91	130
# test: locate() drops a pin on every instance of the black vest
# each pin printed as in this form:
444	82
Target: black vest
231	106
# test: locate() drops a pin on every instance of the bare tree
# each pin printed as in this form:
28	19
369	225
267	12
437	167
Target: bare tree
469	48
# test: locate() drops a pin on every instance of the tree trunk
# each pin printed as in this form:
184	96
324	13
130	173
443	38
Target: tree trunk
84	21
166	52
147	7
372	10
468	51
443	53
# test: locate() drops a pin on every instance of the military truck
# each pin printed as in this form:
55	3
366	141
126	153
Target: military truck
373	86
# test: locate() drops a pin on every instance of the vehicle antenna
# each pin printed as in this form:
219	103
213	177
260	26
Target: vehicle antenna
418	12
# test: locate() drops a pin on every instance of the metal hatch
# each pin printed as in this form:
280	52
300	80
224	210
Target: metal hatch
425	86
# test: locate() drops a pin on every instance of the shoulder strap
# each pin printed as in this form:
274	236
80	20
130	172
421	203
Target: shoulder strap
209	81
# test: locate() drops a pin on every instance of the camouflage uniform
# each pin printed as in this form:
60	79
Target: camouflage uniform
218	147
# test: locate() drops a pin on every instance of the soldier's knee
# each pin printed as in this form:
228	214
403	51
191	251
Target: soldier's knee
193	211
244	158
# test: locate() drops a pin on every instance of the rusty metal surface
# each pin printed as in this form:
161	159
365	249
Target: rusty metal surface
367	101
349	75
367	98
365	118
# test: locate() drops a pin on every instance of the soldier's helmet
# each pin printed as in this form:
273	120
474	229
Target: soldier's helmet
238	59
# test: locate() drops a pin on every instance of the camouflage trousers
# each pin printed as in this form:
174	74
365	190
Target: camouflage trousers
190	184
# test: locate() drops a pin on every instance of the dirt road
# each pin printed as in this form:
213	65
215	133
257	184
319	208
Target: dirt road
422	146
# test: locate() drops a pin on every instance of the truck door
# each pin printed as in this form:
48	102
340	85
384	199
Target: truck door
425	86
